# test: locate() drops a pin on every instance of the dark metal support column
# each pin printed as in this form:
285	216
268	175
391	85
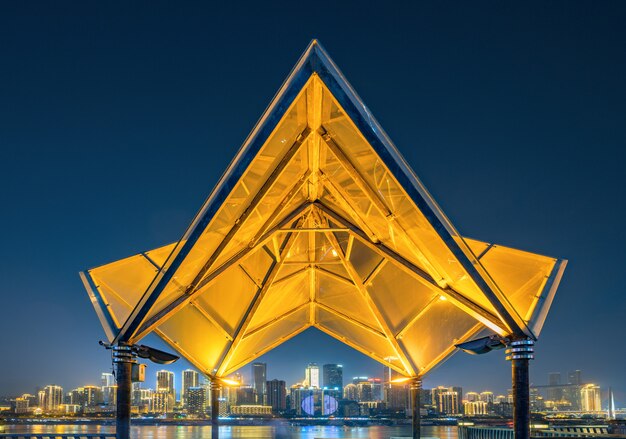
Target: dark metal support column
415	390
520	352
216	388
123	359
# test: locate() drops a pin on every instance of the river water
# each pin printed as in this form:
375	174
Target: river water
278	431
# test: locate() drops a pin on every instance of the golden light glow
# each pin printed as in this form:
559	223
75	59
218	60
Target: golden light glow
229	382
401	380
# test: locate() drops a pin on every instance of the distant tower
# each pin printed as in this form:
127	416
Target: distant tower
259	382
312	375
191	378
165	383
333	376
611	407
195	398
590	398
107	379
277	395
53	398
554	391
574	377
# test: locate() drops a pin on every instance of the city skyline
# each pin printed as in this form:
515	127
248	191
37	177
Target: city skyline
113	134
170	381
373	395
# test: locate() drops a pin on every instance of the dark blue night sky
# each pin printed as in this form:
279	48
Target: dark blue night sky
117	119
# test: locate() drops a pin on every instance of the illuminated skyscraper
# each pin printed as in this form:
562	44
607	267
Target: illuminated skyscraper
333	376
277	395
351	392
259	380
590	398
475	408
472	396
196	401
92	396
160	402
109	395
447	400
312	375
107	379
165	383
52	398
486	397
191	378
377	388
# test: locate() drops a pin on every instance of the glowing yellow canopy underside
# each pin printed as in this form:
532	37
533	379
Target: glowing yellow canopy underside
317	231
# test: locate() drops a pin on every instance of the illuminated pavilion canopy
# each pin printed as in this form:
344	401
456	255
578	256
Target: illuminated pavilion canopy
319	222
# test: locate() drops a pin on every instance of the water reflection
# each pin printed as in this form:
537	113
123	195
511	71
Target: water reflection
275	431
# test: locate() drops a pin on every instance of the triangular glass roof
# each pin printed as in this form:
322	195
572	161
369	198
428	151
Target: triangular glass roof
319	222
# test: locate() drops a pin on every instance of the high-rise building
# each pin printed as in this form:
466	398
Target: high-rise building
107	379
312	375
333	376
486	397
92	396
196	400
590	398
472	396
554	391
449	403
165	383
377	389
475	408
109	395
141	398
246	395
351	392
191	378
259	380
554	378
52	398
277	395
364	389
574	377
21	405
447	400
160	402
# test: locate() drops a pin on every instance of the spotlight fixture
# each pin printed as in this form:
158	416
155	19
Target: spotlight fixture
483	345
152	354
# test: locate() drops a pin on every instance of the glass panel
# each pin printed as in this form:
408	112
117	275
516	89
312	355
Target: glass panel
160	255
398	296
363	259
200	340
258	265
519	274
435	332
361	339
345	299
477	247
252	347
128	279
228	297
115	305
281	298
